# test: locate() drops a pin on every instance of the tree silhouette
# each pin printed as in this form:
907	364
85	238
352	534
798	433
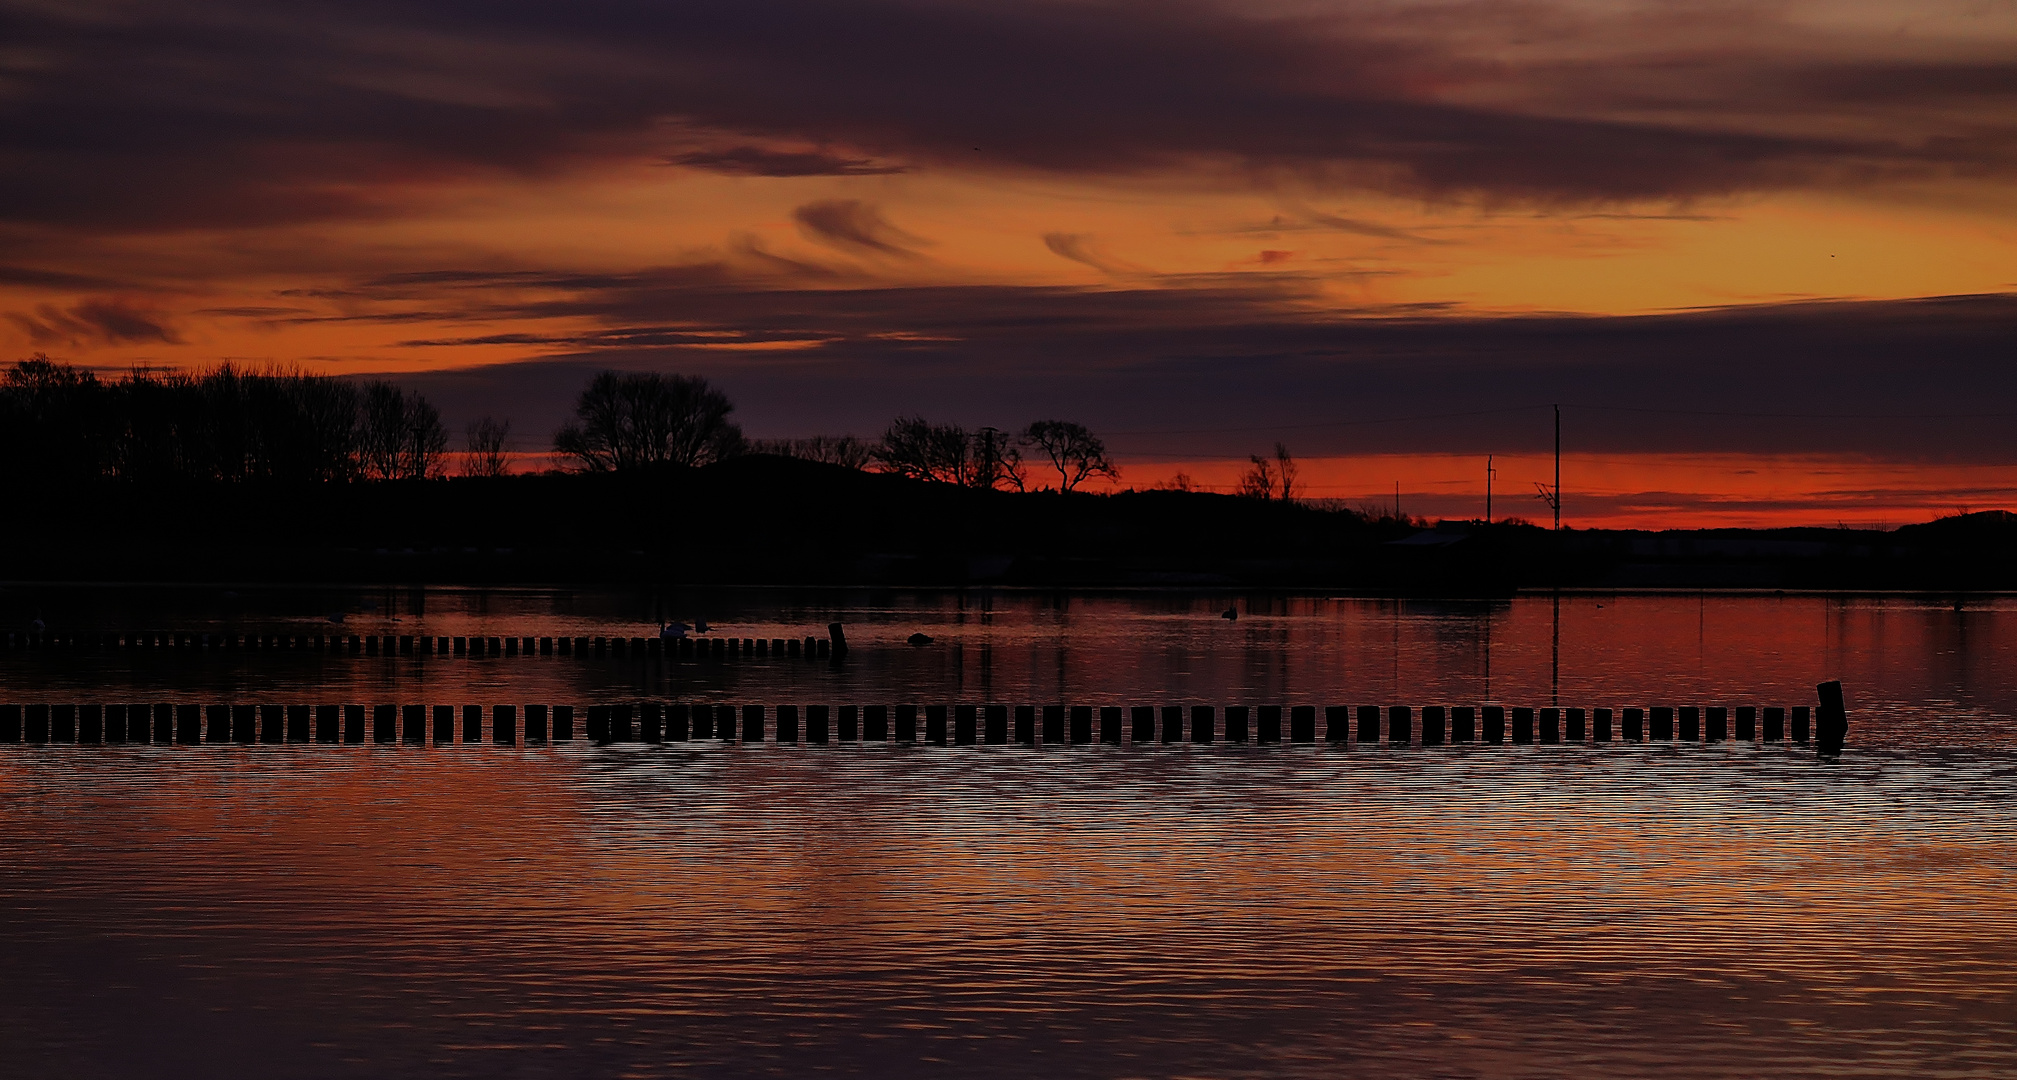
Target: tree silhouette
1073	450
949	454
624	422
400	436
915	447
485	441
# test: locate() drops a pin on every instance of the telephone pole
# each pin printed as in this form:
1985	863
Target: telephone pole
1558	468
1489	473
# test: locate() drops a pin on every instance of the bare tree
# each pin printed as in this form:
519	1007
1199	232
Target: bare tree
1285	473
915	447
1074	451
949	454
996	461
1259	481
400	436
843	450
486	442
638	420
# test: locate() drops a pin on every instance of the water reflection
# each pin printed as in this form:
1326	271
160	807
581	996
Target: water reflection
1196	911
1916	670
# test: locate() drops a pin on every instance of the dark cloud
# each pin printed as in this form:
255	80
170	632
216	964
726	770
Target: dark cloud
94	322
1079	248
151	114
757	161
1229	365
855	226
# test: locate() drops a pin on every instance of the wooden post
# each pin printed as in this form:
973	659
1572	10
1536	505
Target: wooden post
1690	718
838	637
1523	726
787	724
703	723
1493	723
1026	725
1775	724
444	725
413	725
353	723
1369	725
1203	719
1173	723
1236	723
461	646
791	649
244	725
1268	724
1081	724
678	722
816	724
1747	723
10	722
906	723
384	723
164	723
1635	725
598	724
1663	723
1463	724
994	726
563	646
328	727
216	723
1551	726
875	723
1303	723
546	646
1574	726
850	723
472	725
1831	722
1432	725
536	724
1054	724
651	721
1600	725
115	723
1400	727
752	725
1110	724
619	723
934	724
563	723
511	646
965	724
272	724
1715	723
1144	720
1800	715
91	724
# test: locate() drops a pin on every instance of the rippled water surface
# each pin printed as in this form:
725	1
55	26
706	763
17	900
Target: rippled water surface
1156	911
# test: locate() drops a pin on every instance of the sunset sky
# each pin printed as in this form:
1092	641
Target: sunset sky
1764	254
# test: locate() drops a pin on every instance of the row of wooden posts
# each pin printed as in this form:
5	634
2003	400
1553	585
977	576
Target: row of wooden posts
681	648
965	724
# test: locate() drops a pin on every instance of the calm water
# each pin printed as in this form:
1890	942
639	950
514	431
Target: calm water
1222	911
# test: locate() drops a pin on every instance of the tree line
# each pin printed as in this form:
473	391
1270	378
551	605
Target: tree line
60	422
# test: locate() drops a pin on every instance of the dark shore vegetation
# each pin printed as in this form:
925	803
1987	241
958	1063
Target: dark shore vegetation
230	476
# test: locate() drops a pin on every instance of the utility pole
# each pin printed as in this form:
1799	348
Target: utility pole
1489	473
1558	468
1397	500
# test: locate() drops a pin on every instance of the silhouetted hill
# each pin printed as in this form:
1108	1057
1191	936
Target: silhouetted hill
773	520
